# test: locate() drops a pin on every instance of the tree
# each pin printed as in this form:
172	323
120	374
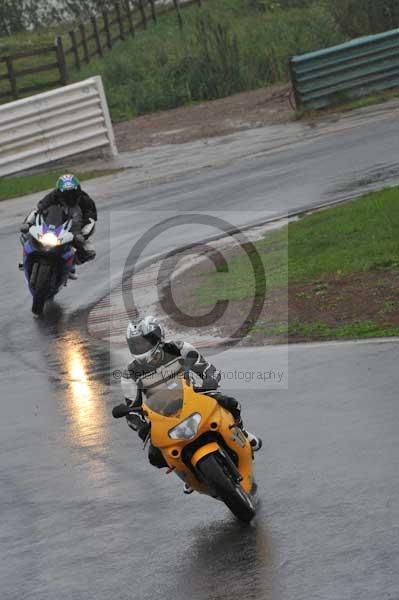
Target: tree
25	14
360	17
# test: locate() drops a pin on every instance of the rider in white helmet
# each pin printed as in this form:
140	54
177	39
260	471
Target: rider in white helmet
147	345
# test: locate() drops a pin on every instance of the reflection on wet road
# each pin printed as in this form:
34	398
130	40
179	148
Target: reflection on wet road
228	558
84	403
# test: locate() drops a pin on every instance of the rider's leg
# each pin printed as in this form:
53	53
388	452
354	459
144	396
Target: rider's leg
27	223
156	458
84	252
234	407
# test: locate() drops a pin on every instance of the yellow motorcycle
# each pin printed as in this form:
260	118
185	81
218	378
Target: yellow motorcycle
200	442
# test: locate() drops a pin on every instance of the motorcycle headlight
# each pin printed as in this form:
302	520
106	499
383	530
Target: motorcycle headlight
49	239
187	429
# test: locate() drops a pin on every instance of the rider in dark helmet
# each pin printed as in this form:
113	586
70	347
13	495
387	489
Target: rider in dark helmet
150	352
79	207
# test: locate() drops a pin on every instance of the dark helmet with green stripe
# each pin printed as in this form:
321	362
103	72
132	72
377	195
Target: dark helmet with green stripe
68	187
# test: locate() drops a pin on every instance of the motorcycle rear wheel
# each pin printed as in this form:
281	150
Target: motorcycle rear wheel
41	289
230	492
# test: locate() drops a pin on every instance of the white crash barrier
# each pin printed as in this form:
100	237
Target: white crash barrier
53	125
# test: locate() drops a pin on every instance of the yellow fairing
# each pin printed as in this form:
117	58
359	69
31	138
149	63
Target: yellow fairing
214	418
204	451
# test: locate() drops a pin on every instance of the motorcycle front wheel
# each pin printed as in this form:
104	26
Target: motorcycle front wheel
229	491
41	288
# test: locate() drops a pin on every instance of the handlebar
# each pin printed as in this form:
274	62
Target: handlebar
123	411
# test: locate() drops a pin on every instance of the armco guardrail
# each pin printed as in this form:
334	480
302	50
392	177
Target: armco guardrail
53	125
341	73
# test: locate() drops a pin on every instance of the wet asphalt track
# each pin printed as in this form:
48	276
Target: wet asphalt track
83	515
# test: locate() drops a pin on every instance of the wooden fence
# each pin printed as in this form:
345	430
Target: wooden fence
89	40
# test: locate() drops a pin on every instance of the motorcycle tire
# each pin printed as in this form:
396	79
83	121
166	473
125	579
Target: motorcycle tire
41	289
229	491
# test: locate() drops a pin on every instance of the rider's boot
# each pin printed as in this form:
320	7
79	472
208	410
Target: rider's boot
187	489
256	442
72	273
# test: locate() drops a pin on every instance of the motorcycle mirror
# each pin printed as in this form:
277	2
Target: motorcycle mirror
120	411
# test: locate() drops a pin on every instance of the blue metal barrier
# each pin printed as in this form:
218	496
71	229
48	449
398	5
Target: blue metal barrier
341	73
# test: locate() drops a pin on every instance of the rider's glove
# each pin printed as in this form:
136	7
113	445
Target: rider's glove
136	421
144	431
79	239
88	229
209	383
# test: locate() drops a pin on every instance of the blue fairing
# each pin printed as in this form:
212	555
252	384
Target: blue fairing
53	259
28	250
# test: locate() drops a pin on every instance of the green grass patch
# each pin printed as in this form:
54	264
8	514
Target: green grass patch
13	187
360	236
33	39
224	49
323	332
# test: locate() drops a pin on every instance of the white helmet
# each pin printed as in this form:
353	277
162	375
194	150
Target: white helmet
144	337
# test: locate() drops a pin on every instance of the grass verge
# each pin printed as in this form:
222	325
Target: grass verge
13	187
342	269
223	49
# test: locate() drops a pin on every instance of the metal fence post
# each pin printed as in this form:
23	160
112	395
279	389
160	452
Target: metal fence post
294	83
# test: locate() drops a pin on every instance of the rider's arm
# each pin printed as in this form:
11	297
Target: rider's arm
199	365
46	201
133	393
88	208
131	389
30	219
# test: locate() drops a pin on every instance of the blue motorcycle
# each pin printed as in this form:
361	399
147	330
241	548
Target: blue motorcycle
48	255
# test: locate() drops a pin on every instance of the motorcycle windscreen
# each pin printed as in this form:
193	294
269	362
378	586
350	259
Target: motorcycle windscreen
165	398
55	215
